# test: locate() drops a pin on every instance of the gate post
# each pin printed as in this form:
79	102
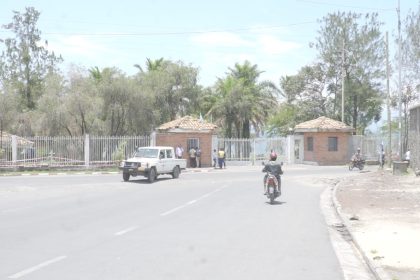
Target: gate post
153	139
14	149
290	149
253	151
87	150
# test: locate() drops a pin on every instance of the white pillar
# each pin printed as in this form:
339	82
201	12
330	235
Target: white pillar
14	149
290	152
153	139
253	151
87	150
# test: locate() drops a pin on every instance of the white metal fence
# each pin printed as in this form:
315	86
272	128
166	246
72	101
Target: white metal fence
68	151
251	150
109	150
370	146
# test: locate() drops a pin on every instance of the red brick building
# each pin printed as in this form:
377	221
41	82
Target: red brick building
326	141
190	133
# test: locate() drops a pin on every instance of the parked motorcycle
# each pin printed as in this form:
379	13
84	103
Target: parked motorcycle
357	163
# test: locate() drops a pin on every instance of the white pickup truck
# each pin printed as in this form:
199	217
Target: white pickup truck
151	162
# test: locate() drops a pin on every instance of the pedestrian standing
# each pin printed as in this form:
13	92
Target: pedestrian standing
193	162
198	157
179	151
214	155
407	157
221	157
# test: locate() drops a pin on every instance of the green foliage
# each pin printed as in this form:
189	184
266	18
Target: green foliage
241	102
411	48
26	61
353	43
284	120
119	153
173	88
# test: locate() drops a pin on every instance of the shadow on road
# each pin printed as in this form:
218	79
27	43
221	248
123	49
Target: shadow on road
146	182
276	202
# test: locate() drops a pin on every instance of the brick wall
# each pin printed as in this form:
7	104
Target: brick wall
320	153
174	138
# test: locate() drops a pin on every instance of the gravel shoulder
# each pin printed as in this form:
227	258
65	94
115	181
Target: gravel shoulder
383	212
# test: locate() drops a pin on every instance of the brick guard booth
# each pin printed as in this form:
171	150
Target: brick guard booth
326	141
188	132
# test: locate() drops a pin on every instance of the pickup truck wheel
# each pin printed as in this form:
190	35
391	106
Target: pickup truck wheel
126	176
175	173
152	175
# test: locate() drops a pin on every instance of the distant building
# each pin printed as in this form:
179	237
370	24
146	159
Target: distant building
326	141
189	132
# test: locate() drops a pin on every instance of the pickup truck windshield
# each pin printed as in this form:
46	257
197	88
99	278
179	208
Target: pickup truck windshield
147	153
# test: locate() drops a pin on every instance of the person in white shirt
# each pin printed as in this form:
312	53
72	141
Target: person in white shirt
407	156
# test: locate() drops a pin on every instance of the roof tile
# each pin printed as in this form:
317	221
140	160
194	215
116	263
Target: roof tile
188	123
322	124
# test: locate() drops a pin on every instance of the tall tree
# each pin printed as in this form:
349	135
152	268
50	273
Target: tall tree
306	97
174	88
257	99
26	61
352	43
411	47
410	91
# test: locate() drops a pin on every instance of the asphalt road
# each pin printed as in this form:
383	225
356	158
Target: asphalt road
204	225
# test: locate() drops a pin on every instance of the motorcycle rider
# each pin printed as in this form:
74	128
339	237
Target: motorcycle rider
357	156
275	169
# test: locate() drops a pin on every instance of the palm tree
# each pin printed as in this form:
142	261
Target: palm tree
224	108
258	99
95	74
151	65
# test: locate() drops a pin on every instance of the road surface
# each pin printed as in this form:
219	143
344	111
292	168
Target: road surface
204	225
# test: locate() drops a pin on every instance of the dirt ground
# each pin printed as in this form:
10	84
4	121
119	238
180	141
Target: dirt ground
383	211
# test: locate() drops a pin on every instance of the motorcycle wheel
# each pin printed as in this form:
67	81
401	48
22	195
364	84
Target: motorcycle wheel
361	166
272	198
351	165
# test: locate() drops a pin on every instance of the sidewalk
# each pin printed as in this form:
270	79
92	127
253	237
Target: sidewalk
383	213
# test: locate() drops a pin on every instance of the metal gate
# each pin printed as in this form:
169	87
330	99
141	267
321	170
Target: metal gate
252	150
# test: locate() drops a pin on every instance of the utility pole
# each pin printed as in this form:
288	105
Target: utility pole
399	85
343	76
388	102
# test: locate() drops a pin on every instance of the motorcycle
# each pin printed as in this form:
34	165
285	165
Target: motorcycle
272	186
272	191
357	163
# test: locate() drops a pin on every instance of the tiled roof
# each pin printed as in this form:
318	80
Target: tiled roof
323	124
187	123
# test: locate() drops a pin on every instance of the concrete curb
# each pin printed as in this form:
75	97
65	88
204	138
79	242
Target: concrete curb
374	266
59	173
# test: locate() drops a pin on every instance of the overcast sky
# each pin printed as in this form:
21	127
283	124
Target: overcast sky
211	35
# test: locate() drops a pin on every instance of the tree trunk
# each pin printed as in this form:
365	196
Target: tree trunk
246	129
355	111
